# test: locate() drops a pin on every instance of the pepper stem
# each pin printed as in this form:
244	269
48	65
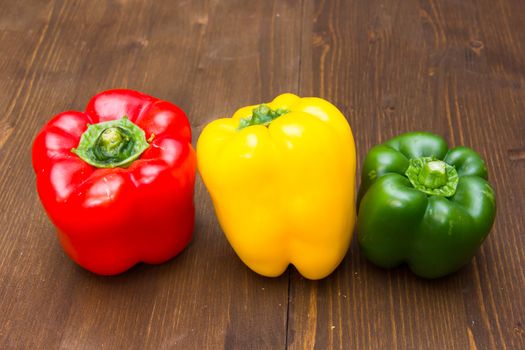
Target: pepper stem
262	115
116	143
112	143
433	176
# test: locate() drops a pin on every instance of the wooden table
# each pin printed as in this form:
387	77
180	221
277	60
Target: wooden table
456	68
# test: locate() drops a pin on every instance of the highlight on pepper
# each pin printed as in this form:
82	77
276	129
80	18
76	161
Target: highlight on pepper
117	180
423	204
281	176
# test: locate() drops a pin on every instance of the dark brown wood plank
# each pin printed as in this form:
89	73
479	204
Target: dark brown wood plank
454	68
208	57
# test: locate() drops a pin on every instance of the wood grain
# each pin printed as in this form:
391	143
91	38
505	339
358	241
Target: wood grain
452	67
204	298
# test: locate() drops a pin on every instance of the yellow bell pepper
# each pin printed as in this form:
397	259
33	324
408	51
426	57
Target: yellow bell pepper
282	179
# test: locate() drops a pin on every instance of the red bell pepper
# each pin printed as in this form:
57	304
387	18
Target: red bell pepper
117	180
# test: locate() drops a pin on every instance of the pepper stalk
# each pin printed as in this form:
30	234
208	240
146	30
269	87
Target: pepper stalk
111	144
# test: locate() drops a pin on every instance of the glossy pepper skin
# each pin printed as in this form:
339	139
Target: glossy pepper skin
109	219
416	218
281	177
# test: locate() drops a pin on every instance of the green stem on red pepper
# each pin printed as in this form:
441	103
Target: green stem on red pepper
111	144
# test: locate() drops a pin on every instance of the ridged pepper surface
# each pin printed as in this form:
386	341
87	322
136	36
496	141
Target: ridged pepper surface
423	204
281	177
117	180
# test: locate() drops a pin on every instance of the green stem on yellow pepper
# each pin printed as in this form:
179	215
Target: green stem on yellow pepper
262	115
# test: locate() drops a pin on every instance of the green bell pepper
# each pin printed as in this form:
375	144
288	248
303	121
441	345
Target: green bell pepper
423	204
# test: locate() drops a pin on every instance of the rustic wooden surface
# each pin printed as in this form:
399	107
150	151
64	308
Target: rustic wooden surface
453	67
